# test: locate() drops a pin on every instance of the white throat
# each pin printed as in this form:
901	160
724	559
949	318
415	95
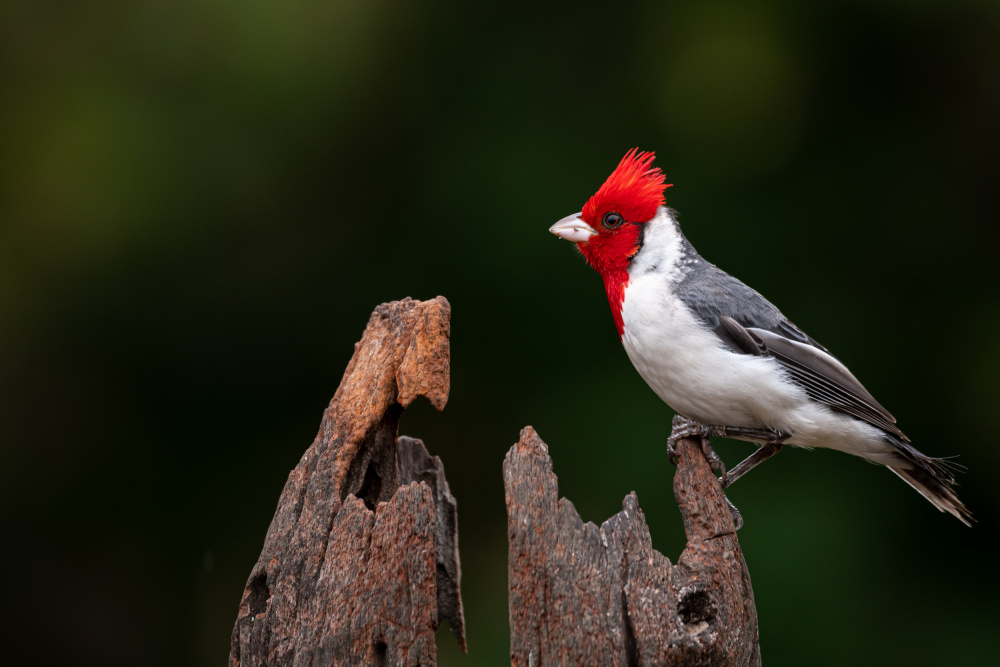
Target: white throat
662	250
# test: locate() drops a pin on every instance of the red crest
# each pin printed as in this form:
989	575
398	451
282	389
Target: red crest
634	189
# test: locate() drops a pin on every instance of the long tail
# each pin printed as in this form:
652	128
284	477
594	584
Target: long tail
931	478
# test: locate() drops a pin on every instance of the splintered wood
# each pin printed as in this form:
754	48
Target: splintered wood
587	595
360	564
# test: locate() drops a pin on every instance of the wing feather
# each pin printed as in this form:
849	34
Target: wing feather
750	324
823	378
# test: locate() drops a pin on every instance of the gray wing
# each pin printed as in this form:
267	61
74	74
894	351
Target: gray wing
713	294
749	324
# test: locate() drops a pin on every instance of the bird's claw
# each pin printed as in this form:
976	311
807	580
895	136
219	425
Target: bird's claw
683	427
737	517
714	460
672	454
680	428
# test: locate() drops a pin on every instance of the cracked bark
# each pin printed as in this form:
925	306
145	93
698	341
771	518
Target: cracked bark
584	595
360	563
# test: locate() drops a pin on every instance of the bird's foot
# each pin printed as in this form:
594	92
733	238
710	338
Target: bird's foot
737	517
680	427
714	460
683	427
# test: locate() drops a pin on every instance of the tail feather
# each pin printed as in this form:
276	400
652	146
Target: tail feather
939	493
931	478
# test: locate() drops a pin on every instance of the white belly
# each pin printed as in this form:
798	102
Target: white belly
688	367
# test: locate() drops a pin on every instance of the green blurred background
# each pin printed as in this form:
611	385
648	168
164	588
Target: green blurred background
201	203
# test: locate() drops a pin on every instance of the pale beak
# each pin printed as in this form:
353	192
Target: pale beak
573	228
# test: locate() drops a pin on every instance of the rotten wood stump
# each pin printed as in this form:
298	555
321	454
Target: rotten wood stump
583	595
360	563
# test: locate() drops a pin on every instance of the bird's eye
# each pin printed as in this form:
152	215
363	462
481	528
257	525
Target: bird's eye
612	219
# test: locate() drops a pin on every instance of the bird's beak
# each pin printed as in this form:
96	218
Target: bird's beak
573	228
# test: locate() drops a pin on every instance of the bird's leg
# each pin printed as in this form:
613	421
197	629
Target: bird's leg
759	435
683	427
750	462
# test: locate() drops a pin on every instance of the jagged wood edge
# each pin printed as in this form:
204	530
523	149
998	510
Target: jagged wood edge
293	605
582	594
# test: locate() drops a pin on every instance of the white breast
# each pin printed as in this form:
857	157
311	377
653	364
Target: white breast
687	366
692	370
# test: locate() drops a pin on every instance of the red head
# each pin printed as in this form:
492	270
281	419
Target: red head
608	228
634	190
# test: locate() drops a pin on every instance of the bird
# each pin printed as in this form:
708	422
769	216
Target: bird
722	356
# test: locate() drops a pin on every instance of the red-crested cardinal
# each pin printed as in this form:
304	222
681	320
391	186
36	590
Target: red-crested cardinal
720	354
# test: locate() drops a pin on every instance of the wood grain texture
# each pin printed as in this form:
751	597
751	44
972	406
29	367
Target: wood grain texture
580	594
360	563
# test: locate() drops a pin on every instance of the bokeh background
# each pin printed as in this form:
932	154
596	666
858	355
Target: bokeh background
202	201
